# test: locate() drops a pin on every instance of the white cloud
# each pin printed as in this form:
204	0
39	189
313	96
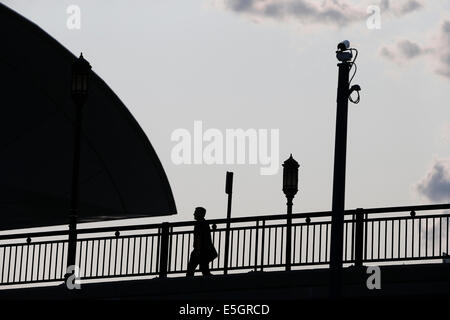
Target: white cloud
437	51
327	12
435	186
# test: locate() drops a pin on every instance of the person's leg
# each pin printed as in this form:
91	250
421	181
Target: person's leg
204	267
192	264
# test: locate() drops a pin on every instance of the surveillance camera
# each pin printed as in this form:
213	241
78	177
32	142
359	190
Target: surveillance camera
344	56
344	45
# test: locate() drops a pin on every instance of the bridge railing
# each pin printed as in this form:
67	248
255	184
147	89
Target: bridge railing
389	235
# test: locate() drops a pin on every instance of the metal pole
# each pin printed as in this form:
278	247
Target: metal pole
359	237
73	211
229	191
338	205
164	250
289	233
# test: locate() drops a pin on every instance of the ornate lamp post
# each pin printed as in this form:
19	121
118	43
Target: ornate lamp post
79	89
290	189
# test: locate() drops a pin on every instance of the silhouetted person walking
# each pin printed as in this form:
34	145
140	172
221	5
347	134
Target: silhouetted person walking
204	251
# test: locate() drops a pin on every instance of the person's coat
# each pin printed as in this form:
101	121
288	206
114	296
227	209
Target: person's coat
203	245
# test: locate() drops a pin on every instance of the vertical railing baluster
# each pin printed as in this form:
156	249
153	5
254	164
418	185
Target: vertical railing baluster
86	259
175	260
104	258
56	260
134	255
9	263
385	238
440	235
169	254
352	246
128	254
413	231
139	259
268	245
379	239
307	243
121	254
230	261
420	237
294	247
275	246
164	250
110	256
21	260
281	246
372	223
301	244
15	264
26	263
145	257
399	237
359	237
263	234
256	245
406	238
237	247
426	237
326	242
151	255
250	246
345	251
39	262
243	247
314	243
62	258
320	225
433	252
392	239
45	260
366	229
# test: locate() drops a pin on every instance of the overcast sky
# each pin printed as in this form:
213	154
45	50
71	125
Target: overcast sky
271	65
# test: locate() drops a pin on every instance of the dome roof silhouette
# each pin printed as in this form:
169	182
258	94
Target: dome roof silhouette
120	173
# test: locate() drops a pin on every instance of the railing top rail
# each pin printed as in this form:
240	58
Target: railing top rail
224	220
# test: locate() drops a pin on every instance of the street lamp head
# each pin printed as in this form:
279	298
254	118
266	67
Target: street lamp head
80	79
290	177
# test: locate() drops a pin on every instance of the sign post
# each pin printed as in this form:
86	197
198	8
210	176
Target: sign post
229	192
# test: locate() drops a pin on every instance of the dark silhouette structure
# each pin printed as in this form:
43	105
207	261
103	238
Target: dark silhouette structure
120	175
81	70
347	61
204	251
229	192
290	189
116	174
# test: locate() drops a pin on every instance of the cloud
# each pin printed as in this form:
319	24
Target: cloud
327	12
401	8
411	50
437	51
435	186
443	50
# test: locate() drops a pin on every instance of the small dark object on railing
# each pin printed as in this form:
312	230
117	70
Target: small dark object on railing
117	234
413	213
308	220
28	240
214	227
445	257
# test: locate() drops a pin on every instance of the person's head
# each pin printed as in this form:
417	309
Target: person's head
199	213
